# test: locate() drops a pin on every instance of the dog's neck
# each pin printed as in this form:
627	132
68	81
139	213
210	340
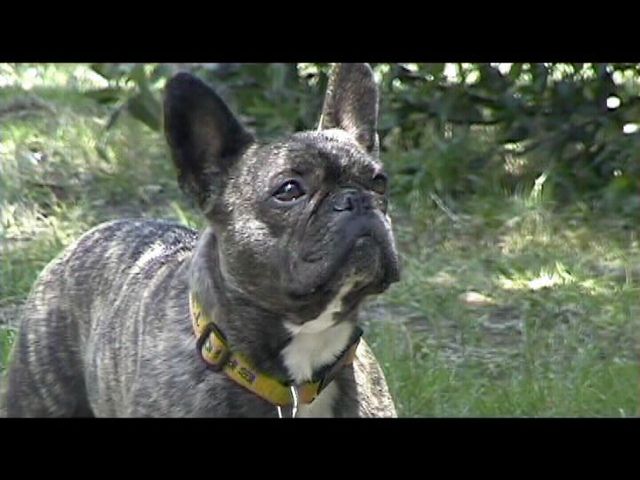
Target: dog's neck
276	347
317	342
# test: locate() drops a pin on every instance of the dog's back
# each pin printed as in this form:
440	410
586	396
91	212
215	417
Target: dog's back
91	291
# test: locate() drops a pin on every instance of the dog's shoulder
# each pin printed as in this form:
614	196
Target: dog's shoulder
132	239
121	249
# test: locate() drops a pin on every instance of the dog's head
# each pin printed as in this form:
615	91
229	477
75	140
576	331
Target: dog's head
299	220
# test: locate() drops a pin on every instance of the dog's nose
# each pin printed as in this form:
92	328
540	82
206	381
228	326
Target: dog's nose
351	199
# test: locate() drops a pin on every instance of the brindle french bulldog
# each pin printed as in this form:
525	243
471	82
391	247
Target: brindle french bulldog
256	316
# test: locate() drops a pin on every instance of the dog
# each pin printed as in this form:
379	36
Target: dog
255	316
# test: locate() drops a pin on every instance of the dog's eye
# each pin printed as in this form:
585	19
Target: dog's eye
289	191
379	183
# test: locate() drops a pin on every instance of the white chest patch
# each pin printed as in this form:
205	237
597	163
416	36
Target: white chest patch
314	344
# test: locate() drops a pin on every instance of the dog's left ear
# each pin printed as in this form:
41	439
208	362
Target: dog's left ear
204	136
351	104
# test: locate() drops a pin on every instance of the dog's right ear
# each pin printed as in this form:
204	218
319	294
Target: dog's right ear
204	136
351	103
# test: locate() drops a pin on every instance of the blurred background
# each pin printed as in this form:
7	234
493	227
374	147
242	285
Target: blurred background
515	199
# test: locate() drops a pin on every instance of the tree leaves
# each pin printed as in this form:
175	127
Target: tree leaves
144	106
555	112
142	101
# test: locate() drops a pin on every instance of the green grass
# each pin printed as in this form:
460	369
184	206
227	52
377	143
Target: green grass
554	326
508	305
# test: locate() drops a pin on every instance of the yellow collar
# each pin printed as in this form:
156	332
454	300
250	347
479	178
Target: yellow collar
213	348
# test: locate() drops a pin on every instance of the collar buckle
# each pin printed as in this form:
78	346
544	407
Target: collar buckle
219	358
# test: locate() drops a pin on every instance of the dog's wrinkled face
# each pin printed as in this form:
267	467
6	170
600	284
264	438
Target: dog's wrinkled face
306	216
295	220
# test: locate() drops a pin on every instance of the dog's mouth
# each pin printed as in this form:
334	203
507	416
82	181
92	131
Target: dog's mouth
366	261
313	303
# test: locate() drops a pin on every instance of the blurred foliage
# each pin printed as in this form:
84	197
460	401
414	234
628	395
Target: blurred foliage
506	127
449	129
